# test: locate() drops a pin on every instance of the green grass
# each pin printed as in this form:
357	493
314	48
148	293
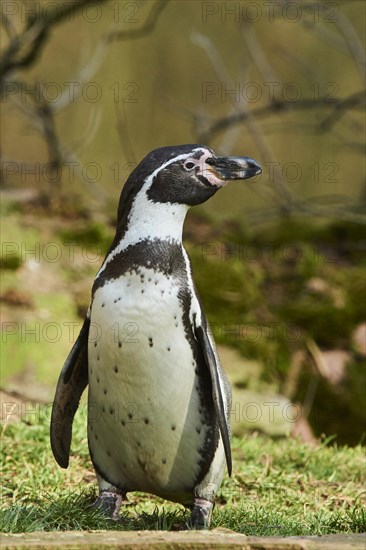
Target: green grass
279	487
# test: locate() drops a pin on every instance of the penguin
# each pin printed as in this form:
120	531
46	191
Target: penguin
158	401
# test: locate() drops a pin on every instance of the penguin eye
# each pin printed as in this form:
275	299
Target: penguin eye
189	165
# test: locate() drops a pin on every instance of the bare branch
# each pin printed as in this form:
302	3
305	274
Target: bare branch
24	48
329	206
354	44
8	26
83	75
352	102
146	29
219	66
258	54
262	63
124	135
350	44
46	117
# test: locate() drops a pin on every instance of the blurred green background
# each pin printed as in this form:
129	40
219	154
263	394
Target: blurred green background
278	261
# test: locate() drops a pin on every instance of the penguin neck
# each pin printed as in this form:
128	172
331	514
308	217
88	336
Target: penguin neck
149	220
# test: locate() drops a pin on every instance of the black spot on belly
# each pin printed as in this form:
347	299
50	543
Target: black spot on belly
130	416
108	453
173	427
138	444
146	420
103	305
119	344
163	460
151	342
115	369
95	436
123	423
168	349
105	391
95	344
98	380
97	357
103	409
111	410
198	430
142	291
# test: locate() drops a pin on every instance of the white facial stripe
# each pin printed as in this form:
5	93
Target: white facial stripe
144	213
150	179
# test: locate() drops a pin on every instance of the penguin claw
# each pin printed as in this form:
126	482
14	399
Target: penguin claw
108	505
200	517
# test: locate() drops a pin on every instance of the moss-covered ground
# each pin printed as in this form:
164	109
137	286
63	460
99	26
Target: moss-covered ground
278	487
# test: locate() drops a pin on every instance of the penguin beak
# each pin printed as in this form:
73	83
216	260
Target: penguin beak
234	168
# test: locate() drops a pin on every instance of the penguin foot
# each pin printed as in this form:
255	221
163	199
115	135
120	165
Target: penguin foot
200	517
108	504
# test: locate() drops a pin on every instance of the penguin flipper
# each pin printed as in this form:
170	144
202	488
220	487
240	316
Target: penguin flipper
210	357
70	386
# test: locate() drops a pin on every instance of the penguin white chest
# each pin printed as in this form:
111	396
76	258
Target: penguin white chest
146	424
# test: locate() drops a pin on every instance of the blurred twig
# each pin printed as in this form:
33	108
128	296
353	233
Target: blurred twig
354	44
268	73
124	136
146	29
219	66
349	42
287	203
24	48
22	51
8	26
280	106
45	114
41	114
354	101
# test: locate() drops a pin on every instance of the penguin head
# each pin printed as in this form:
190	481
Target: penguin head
184	174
